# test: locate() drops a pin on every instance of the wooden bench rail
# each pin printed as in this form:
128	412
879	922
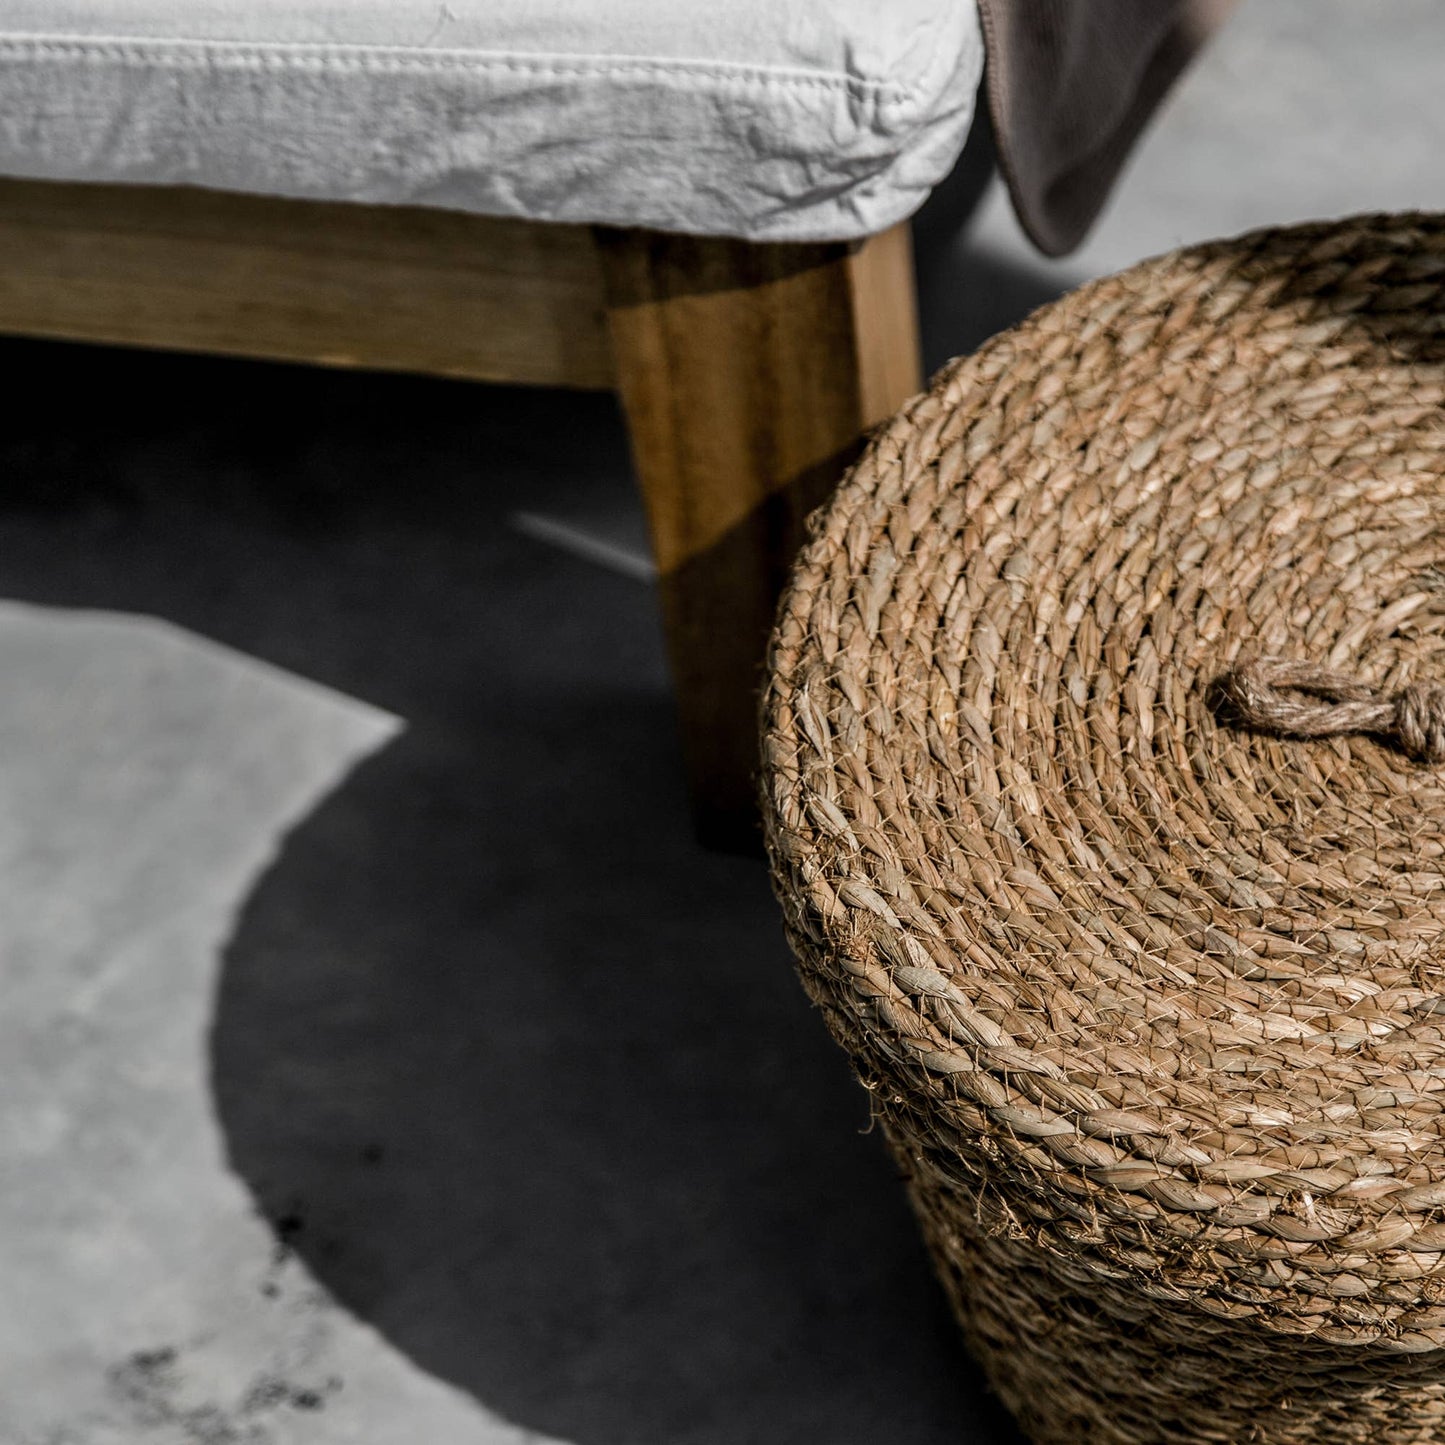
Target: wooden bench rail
748	373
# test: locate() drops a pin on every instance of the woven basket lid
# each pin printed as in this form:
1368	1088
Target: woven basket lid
1168	991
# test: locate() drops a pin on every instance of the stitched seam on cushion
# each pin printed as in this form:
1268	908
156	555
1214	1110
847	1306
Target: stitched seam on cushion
178	51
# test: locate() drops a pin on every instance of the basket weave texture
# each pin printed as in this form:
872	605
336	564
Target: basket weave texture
1151	1006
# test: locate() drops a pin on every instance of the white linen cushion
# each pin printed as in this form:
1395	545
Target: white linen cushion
771	119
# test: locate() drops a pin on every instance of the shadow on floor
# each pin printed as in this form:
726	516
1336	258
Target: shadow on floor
535	1094
969	294
520	1073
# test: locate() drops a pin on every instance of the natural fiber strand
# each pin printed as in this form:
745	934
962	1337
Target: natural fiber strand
1151	1006
1259	694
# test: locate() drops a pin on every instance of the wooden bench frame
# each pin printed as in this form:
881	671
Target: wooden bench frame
748	373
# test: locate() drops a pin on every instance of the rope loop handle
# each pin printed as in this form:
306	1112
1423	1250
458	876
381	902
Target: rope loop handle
1302	700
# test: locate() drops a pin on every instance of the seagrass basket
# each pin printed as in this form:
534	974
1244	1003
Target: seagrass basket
1103	785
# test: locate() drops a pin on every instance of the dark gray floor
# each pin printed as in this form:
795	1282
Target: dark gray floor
519	1073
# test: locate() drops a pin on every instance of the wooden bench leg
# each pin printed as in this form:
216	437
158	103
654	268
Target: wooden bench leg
748	374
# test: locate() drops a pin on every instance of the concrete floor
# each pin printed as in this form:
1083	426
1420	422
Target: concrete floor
381	1059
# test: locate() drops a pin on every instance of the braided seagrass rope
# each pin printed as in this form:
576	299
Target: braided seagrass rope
1151	1007
1259	694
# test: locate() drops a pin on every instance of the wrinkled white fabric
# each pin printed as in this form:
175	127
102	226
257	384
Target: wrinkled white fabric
769	119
